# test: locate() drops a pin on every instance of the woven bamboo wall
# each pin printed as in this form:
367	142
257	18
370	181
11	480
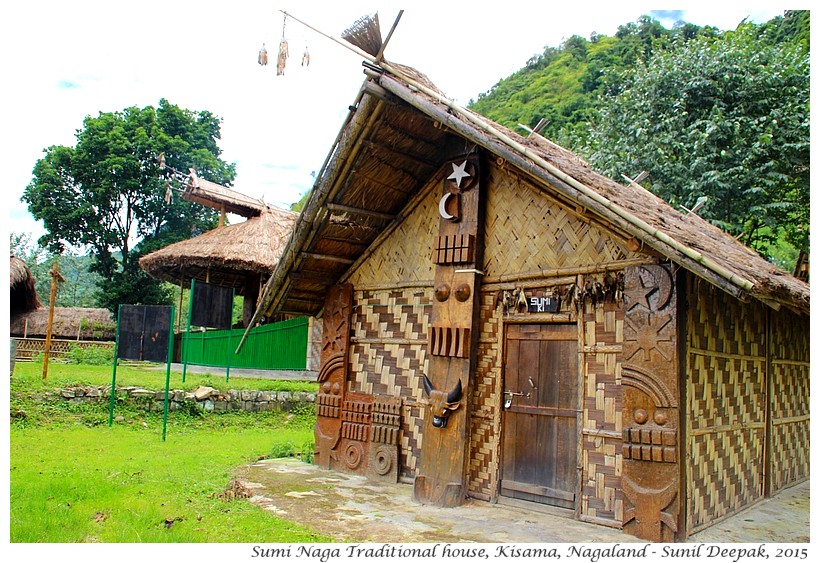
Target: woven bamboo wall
389	356
790	385
406	255
528	231
485	419
601	440
726	404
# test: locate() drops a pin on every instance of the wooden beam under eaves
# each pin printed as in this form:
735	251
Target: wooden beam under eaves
327	257
359	211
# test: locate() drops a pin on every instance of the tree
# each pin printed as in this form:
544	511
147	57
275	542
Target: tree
726	119
106	194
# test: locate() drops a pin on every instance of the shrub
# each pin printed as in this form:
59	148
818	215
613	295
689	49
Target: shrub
91	355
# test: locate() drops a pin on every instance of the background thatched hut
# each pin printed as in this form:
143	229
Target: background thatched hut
241	256
23	296
70	323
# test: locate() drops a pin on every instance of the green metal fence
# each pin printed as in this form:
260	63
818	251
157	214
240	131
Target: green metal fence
280	345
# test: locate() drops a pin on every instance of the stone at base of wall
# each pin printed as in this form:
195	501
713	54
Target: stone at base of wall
205	398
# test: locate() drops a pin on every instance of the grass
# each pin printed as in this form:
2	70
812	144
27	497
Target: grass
73	479
29	375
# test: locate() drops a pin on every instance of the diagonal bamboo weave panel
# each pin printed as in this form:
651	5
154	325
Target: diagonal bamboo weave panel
405	255
389	356
790	399
527	231
726	396
601	457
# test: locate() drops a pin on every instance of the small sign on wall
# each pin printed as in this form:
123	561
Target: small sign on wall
542	305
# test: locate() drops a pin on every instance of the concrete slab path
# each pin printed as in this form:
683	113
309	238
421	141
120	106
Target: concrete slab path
353	509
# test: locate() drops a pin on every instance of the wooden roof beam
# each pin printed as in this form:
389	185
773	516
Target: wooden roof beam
327	257
359	211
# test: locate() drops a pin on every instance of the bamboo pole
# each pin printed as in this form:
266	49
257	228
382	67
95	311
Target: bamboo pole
55	277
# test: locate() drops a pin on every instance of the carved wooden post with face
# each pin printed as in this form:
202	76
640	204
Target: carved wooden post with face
332	375
651	434
457	254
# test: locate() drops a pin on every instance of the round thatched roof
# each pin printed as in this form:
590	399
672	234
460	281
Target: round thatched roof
23	296
226	255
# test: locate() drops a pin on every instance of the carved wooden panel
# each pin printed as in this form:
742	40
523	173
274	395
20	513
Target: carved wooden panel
454	249
333	374
383	462
453	342
651	471
441	478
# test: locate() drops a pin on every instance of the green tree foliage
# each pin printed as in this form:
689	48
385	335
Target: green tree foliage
728	120
105	193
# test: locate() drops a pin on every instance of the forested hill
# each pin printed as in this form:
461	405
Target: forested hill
563	84
710	117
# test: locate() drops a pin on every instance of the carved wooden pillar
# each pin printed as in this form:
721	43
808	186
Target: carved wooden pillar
333	375
651	433
457	253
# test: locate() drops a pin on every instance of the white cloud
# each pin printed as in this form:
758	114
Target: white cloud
67	60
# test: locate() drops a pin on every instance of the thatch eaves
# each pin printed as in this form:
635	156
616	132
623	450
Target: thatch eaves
226	255
23	296
392	142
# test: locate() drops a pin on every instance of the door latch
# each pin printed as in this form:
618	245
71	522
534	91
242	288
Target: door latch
510	395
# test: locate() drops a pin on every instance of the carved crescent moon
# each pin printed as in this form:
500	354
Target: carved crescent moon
442	207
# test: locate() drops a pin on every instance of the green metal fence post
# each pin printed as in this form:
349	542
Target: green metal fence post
168	372
114	372
188	329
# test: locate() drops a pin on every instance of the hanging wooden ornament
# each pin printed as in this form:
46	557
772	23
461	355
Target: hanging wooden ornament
306	57
263	55
282	58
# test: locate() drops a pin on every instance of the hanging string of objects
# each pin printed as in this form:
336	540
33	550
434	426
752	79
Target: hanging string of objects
283	53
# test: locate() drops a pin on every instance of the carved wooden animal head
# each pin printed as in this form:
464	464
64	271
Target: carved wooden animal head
441	403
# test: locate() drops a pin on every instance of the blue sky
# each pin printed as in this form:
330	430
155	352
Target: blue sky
69	60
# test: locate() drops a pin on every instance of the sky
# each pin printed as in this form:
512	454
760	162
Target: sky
64	61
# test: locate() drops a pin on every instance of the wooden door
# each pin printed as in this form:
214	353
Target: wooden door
540	432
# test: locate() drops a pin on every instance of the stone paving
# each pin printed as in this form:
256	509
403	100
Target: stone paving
350	508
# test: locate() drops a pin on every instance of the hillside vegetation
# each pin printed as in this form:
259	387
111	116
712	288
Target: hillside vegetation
720	117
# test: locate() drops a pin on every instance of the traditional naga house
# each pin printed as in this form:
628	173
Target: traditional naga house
241	256
502	323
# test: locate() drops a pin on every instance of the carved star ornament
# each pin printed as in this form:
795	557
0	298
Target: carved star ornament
461	174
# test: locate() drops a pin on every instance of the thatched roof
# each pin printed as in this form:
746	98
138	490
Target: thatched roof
23	296
92	324
396	137
226	255
222	198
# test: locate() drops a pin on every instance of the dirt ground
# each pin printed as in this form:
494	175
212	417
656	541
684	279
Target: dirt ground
351	508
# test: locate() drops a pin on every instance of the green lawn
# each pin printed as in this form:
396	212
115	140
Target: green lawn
151	376
74	479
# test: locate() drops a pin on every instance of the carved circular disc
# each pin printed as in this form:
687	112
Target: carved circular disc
462	292
640	416
442	292
382	461
326	387
661	417
336	389
353	455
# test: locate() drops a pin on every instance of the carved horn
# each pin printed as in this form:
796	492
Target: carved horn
454	395
428	387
